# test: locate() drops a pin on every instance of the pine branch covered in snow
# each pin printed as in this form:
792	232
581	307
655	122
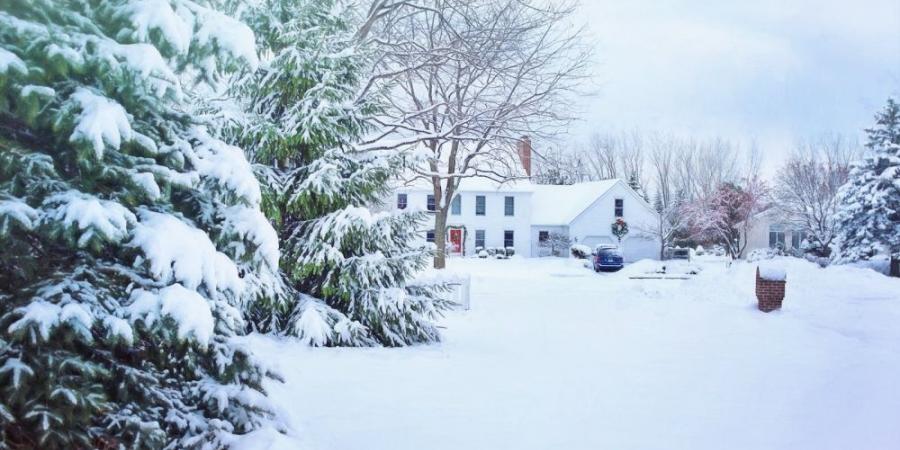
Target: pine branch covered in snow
346	267
131	238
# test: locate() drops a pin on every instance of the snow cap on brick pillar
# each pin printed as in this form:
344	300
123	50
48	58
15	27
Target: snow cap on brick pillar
770	281
524	150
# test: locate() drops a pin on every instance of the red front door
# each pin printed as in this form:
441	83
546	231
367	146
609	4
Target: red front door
456	240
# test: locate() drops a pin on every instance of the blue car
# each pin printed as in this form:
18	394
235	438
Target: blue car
607	258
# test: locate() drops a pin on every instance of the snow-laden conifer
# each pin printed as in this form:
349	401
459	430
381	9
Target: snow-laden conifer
131	237
347	268
868	217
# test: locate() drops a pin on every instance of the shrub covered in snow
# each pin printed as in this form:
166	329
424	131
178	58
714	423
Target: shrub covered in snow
878	263
556	243
130	237
580	251
820	260
760	254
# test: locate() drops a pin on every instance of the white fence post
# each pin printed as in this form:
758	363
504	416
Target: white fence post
461	288
466	284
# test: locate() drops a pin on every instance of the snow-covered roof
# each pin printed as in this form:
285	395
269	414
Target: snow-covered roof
560	205
477	184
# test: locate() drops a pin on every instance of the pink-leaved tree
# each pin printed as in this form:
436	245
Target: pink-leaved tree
727	214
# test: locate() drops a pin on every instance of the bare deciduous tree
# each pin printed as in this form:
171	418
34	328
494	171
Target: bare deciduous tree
466	79
602	157
558	166
557	244
807	185
620	155
664	150
670	220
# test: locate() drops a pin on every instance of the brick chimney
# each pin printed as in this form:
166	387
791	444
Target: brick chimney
524	150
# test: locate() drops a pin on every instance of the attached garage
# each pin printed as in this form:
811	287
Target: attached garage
593	241
588	210
635	248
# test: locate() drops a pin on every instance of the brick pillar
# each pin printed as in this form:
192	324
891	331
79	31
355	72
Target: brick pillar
769	293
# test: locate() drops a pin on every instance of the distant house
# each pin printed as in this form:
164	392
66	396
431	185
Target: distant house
585	212
771	230
520	215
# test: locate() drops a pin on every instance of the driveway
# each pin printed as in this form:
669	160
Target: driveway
554	356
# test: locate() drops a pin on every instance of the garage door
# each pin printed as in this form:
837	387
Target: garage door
638	247
593	241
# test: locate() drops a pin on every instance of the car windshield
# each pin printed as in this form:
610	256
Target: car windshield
608	252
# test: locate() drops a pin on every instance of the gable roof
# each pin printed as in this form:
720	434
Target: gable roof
561	204
475	184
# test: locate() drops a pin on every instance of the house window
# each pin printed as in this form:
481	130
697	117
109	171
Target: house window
797	238
620	207
776	238
479	205
456	206
508	240
543	236
509	206
479	238
401	201
430	203
429	236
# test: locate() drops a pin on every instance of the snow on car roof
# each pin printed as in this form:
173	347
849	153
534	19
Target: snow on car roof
560	205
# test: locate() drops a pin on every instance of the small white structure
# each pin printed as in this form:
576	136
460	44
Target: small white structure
521	215
585	212
770	230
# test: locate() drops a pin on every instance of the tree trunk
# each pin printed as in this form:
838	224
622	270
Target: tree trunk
440	237
895	267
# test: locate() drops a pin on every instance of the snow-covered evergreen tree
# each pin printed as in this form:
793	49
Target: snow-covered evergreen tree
347	268
868	218
635	184
657	202
130	236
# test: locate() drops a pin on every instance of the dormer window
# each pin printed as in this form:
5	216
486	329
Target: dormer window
620	207
401	201
430	205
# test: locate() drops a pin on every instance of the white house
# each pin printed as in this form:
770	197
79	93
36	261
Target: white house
521	215
771	230
585	213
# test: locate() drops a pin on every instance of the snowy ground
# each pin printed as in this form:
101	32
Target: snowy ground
554	356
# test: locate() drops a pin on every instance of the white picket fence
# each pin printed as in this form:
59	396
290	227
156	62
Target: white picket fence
459	283
459	291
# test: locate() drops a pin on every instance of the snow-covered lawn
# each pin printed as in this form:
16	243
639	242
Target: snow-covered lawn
554	356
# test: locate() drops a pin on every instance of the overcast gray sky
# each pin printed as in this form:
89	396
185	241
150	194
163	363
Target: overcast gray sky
768	70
